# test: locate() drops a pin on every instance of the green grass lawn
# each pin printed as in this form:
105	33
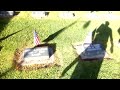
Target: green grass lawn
18	32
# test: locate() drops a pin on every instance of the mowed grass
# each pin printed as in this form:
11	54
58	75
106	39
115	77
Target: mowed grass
18	33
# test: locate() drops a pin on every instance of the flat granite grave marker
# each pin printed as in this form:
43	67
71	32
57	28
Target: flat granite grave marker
40	56
93	51
4	14
37	55
88	51
67	14
39	14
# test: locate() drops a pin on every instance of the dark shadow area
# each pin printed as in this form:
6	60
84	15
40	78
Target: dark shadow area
89	68
119	34
91	11
73	14
86	24
1	48
47	13
3	23
102	35
52	36
16	13
84	69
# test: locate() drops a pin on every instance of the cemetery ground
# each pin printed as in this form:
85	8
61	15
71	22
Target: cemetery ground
17	33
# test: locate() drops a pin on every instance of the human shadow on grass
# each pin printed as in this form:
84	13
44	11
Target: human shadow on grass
119	34
102	35
89	68
3	23
54	35
84	69
1	48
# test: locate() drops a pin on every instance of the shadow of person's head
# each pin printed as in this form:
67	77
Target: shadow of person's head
107	23
1	48
119	31
104	27
119	34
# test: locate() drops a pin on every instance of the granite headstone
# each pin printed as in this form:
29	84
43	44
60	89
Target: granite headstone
67	14
6	13
38	55
39	14
93	51
88	51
